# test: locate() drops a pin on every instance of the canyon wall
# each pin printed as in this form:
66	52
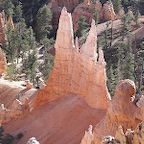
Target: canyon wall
76	70
129	137
85	8
122	113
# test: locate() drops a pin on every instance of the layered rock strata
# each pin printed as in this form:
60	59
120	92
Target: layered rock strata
76	70
15	100
56	7
108	11
122	111
16	110
129	137
88	10
85	8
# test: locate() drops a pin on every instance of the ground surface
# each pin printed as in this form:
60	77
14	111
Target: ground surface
60	122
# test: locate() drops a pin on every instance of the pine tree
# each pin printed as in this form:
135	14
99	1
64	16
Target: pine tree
96	15
136	17
18	12
111	80
125	30
83	26
8	8
46	67
128	71
43	22
117	5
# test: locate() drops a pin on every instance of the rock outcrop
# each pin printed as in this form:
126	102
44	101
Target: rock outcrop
3	64
15	100
16	110
76	70
56	7
86	8
129	137
121	111
88	136
108	11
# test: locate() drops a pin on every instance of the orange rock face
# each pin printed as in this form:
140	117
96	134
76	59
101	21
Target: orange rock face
56	7
14	100
16	110
76	70
108	11
121	111
3	64
85	8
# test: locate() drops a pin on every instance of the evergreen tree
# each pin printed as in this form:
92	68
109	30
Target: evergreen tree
117	5
96	15
111	80
43	22
128	70
18	12
136	17
46	67
83	26
125	30
8	8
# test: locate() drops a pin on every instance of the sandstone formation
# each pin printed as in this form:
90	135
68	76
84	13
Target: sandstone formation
56	7
62	121
119	138
129	137
121	111
86	8
16	110
108	11
88	136
75	95
3	64
80	71
15	100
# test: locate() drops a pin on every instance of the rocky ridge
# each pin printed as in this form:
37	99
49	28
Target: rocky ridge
85	8
129	137
76	70
122	113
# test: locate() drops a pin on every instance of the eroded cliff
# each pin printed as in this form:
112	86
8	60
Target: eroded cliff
76	70
86	8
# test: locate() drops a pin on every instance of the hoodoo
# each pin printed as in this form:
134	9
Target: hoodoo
76	70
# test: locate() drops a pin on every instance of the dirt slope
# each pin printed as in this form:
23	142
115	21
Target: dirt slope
63	121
